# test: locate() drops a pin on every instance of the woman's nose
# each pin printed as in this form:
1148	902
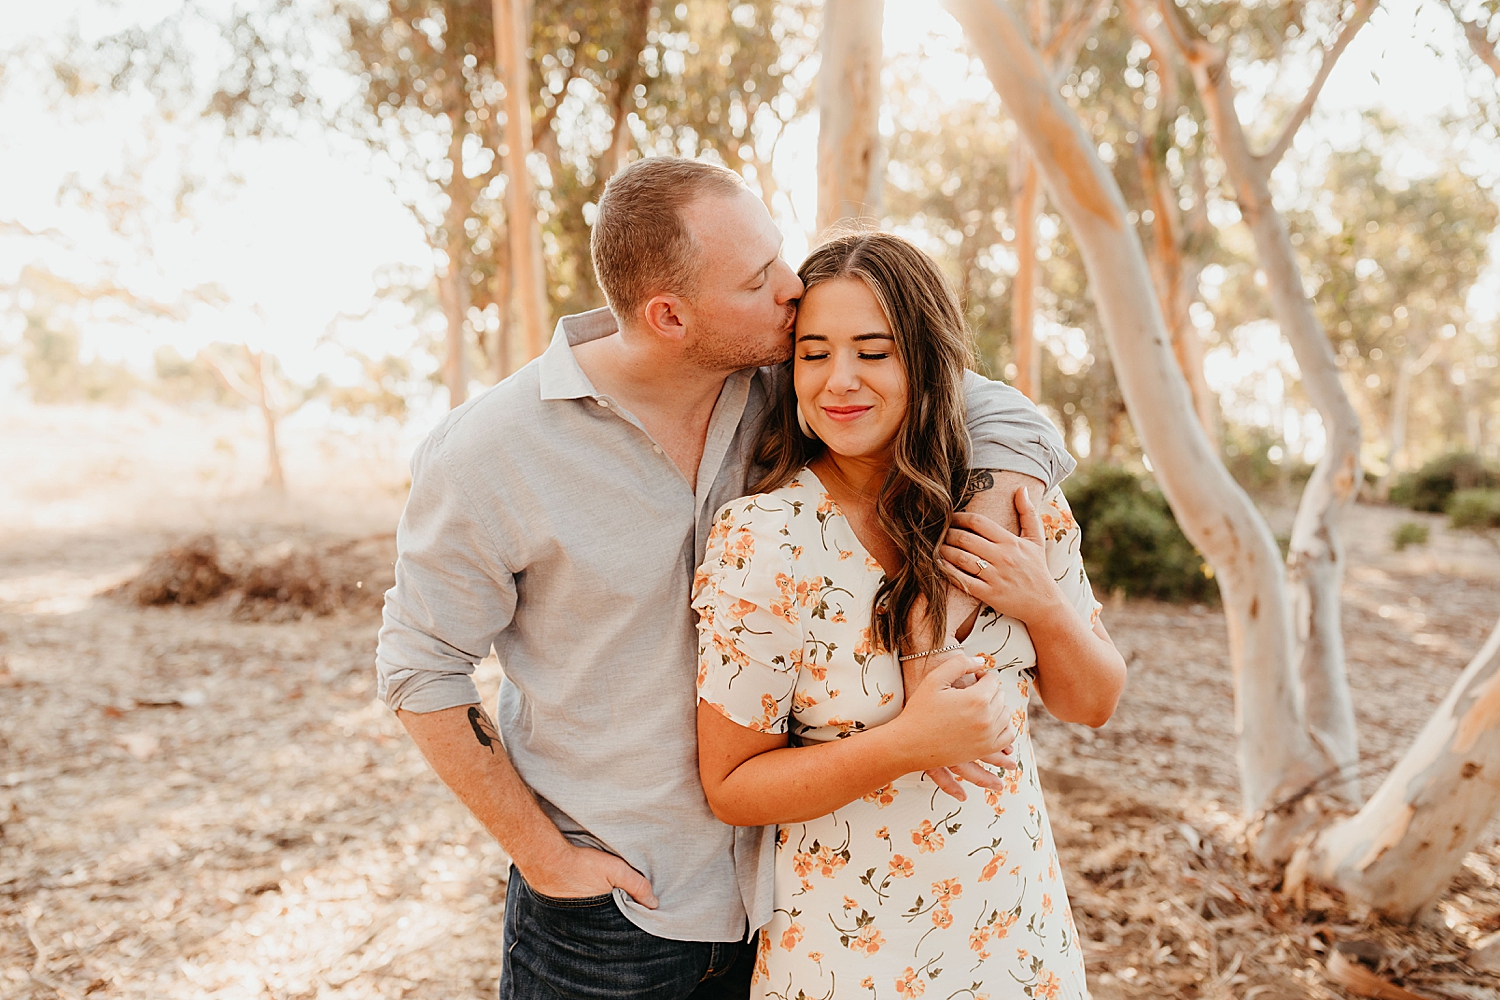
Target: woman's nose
845	374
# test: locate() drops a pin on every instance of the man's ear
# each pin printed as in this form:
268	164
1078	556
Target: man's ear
666	316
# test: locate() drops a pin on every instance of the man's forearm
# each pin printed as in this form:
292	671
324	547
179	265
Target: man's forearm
992	492
463	747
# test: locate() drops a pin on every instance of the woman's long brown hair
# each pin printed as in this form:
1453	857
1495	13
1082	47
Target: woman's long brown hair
929	471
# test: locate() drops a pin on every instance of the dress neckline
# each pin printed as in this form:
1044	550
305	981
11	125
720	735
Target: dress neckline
838	510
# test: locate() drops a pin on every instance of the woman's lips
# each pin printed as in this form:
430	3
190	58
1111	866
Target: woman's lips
844	414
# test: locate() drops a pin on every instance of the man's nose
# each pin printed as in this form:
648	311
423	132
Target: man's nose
792	285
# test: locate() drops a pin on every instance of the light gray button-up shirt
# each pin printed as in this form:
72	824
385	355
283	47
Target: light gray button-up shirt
544	521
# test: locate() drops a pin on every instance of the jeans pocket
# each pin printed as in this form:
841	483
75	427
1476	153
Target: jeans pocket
571	903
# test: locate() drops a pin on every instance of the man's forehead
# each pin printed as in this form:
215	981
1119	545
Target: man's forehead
737	226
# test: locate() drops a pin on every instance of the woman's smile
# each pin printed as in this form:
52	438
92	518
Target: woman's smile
845	414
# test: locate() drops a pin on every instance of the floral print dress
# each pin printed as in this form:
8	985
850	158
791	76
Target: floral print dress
906	892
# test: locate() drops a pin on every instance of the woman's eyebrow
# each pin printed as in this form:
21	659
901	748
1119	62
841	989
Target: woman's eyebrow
811	336
873	336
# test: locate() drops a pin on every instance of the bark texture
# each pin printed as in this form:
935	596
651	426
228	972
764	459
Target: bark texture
512	31
849	161
1402	849
1276	761
1315	563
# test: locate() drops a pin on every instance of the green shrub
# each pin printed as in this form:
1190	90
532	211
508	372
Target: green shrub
1247	456
1408	533
1430	487
1131	542
1476	509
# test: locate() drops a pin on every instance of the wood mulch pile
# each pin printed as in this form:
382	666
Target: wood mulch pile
205	801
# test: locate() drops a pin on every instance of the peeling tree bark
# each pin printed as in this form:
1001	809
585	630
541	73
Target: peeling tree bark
849	161
1402	849
1315	564
1276	760
512	32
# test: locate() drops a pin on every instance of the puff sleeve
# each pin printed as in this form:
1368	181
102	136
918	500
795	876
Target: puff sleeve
1064	545
749	636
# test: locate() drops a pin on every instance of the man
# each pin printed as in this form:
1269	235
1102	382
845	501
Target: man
558	518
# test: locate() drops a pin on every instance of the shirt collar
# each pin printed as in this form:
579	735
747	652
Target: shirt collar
561	377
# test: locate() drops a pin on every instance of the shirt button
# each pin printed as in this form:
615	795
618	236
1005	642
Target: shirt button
603	402
656	448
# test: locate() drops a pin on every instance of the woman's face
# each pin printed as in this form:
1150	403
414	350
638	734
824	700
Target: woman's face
850	385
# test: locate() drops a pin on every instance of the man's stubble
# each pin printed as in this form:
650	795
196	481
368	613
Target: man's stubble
715	349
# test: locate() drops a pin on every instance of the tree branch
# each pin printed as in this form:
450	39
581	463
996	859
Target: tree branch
1362	11
1479	40
1062	48
1188	39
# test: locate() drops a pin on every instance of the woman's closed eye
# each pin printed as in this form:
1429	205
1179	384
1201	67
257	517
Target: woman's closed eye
863	356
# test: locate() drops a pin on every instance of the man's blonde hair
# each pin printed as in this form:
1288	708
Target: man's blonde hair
640	244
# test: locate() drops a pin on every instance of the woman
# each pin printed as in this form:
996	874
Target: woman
804	719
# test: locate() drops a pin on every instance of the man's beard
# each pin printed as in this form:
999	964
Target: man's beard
715	350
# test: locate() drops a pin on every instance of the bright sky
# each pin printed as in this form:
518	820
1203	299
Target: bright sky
298	242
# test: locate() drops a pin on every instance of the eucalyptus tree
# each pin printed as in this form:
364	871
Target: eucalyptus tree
415	82
849	160
1392	260
1405	844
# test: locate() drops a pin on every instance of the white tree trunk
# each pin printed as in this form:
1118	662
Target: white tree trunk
512	33
453	283
1401	850
849	160
1277	757
1024	202
260	374
1315	562
1400	397
453	294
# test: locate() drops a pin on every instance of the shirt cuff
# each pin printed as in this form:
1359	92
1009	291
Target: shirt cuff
1040	461
424	691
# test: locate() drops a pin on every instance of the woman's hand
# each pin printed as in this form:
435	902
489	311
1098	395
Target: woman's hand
944	722
1005	571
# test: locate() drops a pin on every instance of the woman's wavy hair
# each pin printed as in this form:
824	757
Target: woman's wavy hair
928	477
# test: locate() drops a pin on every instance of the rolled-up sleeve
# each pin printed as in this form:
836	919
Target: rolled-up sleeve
453	596
1008	432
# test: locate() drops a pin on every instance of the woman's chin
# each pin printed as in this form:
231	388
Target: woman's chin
854	446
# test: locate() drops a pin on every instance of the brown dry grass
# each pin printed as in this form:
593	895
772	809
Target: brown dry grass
196	803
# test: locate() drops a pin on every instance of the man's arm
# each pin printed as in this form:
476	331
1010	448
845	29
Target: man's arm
454	595
1012	444
463	747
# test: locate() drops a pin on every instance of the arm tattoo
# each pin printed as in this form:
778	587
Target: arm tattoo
484	729
980	480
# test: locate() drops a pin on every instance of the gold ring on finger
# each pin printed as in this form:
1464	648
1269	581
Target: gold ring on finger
982	565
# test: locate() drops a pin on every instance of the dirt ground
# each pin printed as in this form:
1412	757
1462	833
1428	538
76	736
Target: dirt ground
207	802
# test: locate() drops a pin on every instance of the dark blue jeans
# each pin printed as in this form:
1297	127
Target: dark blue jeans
586	948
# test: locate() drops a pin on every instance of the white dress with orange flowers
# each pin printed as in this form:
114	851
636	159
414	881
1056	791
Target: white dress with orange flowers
906	892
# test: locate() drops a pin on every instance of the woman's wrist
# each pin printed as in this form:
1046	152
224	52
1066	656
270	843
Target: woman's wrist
897	746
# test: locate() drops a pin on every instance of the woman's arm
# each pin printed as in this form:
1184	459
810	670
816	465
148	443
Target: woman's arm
754	779
1080	674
